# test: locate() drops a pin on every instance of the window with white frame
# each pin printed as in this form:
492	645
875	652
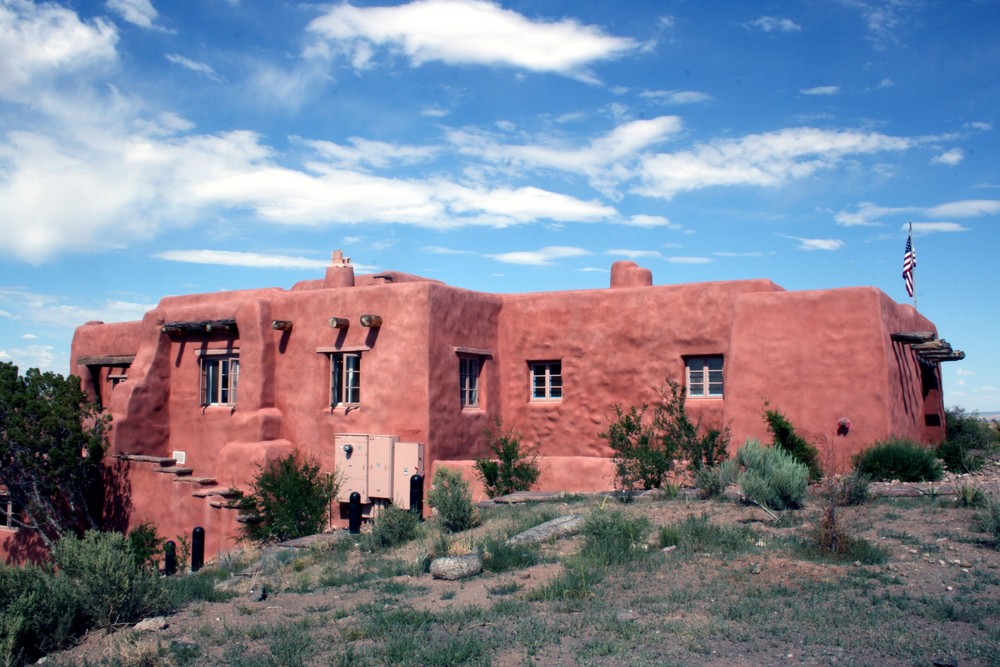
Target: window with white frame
220	376
345	378
704	376
546	380
468	374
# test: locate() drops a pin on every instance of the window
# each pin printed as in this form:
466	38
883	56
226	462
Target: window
219	377
468	373
345	378
8	513
704	377
546	380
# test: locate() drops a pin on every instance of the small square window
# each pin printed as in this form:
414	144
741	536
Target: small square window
704	376
546	380
8	513
219	378
468	374
345	378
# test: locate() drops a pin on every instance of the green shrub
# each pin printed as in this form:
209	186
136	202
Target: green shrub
646	451
712	481
39	613
451	496
499	555
697	534
989	517
772	477
289	498
611	538
512	467
851	489
640	459
787	439
145	545
899	459
393	526
110	586
968	440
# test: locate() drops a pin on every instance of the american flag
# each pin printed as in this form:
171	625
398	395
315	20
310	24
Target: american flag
909	263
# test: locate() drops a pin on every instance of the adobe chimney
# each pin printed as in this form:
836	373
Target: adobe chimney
340	273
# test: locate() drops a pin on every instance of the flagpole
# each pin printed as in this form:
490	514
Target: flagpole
914	270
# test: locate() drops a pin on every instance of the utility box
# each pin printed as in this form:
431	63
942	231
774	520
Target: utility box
351	461
408	461
380	462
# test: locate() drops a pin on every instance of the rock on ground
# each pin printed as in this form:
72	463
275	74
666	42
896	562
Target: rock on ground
563	526
452	568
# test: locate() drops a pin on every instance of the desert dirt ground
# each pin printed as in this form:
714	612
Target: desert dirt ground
932	597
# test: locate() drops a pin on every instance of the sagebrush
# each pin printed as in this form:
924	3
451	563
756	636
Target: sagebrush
451	497
772	477
898	459
511	466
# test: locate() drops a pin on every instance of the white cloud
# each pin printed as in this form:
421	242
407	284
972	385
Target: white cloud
969	208
979	126
139	12
764	160
542	257
634	254
962	371
29	336
198	68
774	23
434	112
30	356
821	90
869	214
439	250
248	259
949	158
54	310
677	97
688	260
40	42
364	152
818	244
924	228
641	220
606	160
463	32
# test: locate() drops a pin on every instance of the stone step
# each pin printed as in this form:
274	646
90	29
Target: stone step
176	470
143	458
223	505
222	491
203	481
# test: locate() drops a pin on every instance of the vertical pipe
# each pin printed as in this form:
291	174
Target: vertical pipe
354	514
197	549
170	558
417	495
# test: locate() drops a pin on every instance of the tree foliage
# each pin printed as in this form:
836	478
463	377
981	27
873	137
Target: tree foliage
787	439
512	466
646	450
52	442
290	497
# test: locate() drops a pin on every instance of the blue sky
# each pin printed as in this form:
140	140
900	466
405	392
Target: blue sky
150	148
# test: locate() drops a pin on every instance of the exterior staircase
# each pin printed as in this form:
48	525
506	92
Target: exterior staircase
222	497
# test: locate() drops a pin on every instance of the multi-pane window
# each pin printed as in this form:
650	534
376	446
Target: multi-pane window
468	374
219	377
345	378
704	377
546	380
8	513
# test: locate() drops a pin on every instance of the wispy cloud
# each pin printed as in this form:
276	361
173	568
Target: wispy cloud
925	228
677	97
774	24
40	41
253	260
367	153
688	260
817	244
642	220
203	69
967	208
542	257
466	32
606	160
949	158
634	254
821	90
138	12
764	160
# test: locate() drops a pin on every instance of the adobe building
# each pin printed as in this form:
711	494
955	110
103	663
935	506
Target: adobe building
387	375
